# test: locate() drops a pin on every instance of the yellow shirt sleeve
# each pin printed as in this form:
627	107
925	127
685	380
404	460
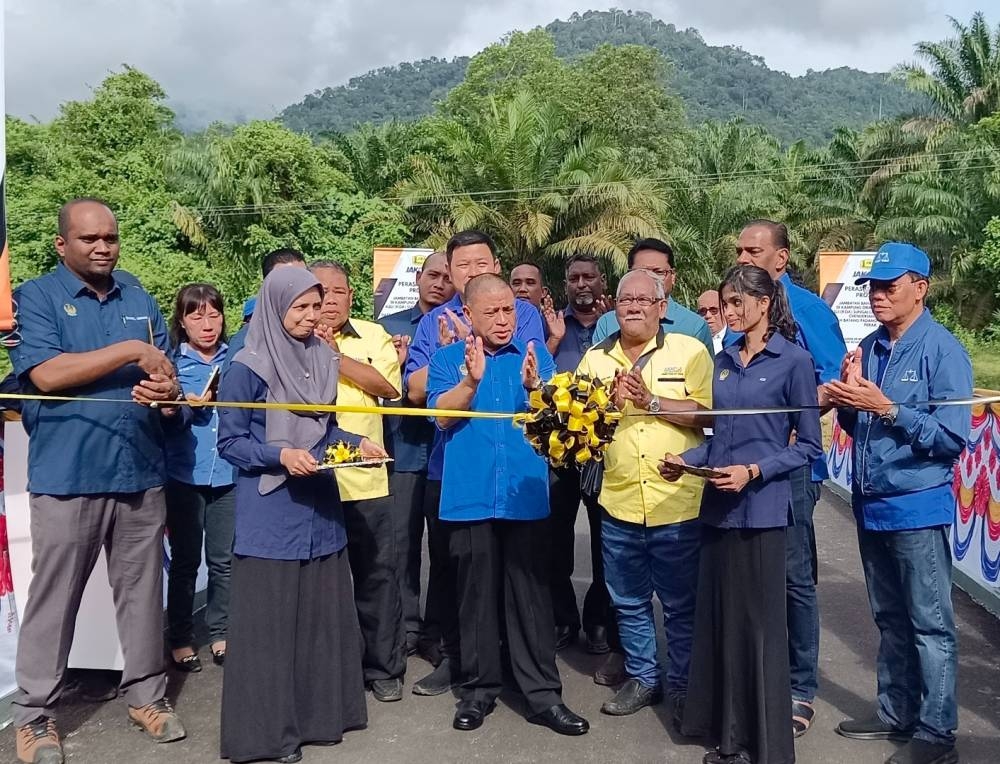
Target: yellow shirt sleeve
385	360
698	377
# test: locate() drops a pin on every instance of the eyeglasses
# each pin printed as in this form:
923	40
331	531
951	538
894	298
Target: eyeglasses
708	312
642	302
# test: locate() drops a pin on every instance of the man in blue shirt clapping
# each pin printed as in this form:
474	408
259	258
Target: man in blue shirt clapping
904	457
495	499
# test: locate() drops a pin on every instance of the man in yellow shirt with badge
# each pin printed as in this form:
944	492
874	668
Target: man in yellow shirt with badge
650	534
369	371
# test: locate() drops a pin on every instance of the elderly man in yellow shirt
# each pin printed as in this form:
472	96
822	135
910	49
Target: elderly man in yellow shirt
369	371
650	534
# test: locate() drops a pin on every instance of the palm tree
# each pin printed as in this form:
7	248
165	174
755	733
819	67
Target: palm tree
543	192
963	83
377	157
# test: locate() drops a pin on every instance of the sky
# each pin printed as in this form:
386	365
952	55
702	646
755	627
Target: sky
238	59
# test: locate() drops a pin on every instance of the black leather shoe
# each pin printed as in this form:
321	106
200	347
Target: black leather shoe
560	719
439	681
387	690
189	664
470	715
612	673
597	640
565	636
871	729
291	758
633	696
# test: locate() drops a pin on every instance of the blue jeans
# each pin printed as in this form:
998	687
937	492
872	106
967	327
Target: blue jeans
640	560
800	587
909	586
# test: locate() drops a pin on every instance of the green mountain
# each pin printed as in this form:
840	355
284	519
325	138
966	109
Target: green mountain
715	83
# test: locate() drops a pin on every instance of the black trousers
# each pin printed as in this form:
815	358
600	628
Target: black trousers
564	499
371	549
441	608
407	492
503	562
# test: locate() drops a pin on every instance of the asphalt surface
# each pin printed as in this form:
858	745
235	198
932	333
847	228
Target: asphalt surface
417	730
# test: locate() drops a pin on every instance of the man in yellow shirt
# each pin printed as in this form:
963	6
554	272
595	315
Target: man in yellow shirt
649	530
369	371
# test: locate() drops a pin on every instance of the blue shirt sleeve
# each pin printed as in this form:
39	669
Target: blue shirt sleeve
442	376
824	340
943	431
423	346
39	328
529	324
236	443
604	328
808	445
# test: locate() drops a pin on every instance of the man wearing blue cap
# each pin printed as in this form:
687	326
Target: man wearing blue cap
904	456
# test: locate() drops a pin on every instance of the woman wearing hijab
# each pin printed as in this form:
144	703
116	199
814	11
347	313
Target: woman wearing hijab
293	664
738	683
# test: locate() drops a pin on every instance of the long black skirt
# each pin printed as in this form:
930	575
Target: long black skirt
293	661
739	691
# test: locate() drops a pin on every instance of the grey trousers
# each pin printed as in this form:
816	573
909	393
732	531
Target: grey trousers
67	533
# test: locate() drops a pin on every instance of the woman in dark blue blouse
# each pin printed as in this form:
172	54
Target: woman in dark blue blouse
293	663
738	683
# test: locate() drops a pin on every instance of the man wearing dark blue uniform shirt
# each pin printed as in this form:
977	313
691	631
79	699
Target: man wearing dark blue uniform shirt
570	333
96	472
495	501
470	253
765	244
408	440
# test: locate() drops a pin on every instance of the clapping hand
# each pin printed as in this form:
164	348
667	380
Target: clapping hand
633	388
451	328
529	369
475	358
325	333
604	304
554	320
850	369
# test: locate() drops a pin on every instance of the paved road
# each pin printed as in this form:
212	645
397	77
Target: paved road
418	730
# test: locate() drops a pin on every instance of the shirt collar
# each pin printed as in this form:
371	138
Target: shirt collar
416	314
774	346
348	330
189	352
720	334
75	286
656	342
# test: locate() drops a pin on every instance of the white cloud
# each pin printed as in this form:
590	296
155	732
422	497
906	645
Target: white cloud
233	59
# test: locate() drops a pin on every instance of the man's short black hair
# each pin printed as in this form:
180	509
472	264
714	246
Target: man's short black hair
468	238
279	256
541	277
779	231
583	257
67	208
657	245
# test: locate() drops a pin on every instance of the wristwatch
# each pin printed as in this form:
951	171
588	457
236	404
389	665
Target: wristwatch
654	405
889	417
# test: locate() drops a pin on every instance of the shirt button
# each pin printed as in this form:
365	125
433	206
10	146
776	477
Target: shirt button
307	375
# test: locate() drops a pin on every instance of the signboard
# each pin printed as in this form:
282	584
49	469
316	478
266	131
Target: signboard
395	278
837	272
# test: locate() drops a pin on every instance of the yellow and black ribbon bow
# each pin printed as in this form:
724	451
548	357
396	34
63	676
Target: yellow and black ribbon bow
571	420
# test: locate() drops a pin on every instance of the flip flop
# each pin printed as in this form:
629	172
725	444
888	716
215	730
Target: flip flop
802	717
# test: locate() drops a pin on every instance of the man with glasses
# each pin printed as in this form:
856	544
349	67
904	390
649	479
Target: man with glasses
904	458
657	257
649	529
710	310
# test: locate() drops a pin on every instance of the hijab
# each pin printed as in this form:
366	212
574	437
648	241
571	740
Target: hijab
295	371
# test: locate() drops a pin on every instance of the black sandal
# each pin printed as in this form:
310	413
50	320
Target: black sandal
802	717
189	664
219	657
717	757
